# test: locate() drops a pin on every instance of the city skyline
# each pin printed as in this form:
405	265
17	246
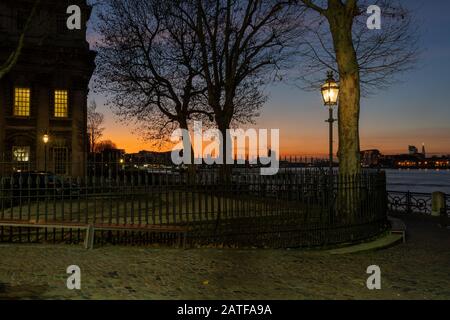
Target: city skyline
411	112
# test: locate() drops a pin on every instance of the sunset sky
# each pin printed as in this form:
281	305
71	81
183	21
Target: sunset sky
412	112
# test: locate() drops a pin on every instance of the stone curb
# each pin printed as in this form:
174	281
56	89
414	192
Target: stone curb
379	244
396	235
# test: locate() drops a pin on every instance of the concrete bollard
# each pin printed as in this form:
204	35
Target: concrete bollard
438	202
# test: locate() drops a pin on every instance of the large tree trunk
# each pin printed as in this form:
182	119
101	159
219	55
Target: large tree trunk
349	96
341	22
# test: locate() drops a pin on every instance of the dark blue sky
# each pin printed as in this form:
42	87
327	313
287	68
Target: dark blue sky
414	111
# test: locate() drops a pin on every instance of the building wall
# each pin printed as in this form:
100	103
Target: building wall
53	58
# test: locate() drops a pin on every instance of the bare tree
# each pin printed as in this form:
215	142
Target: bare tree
366	60
14	56
104	145
148	66
243	45
95	122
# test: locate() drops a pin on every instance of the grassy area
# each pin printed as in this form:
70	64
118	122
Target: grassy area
170	207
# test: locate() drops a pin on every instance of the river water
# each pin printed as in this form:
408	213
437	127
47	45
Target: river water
425	181
413	180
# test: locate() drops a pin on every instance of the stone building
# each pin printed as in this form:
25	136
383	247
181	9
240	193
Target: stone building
45	94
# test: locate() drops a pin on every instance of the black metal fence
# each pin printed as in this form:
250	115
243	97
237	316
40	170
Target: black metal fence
115	162
413	202
298	207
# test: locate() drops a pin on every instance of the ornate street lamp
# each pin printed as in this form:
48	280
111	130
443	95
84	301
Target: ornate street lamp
330	94
45	139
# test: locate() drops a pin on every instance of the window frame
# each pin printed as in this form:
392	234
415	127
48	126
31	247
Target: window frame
58	114
18	109
61	158
27	154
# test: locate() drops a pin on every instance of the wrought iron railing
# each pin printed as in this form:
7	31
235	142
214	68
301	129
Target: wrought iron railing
296	207
413	202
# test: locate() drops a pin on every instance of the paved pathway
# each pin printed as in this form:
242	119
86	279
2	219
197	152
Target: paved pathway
419	269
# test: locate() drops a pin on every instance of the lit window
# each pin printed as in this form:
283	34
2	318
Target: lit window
21	154
22	102
61	104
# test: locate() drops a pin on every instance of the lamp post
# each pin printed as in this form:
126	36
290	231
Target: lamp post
330	95
45	139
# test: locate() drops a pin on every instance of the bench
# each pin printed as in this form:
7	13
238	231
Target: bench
178	229
91	228
398	227
88	241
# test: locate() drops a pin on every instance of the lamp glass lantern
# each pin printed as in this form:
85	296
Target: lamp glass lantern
46	138
330	91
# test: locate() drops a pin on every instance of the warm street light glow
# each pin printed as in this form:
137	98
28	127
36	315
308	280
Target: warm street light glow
330	91
45	138
330	94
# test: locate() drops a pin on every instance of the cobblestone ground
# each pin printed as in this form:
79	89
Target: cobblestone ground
419	269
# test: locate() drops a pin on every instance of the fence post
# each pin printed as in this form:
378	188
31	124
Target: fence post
438	203
408	202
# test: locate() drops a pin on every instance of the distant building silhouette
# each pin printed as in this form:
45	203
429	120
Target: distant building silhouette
371	158
412	150
150	158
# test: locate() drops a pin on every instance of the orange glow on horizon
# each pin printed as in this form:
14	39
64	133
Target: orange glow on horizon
294	141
